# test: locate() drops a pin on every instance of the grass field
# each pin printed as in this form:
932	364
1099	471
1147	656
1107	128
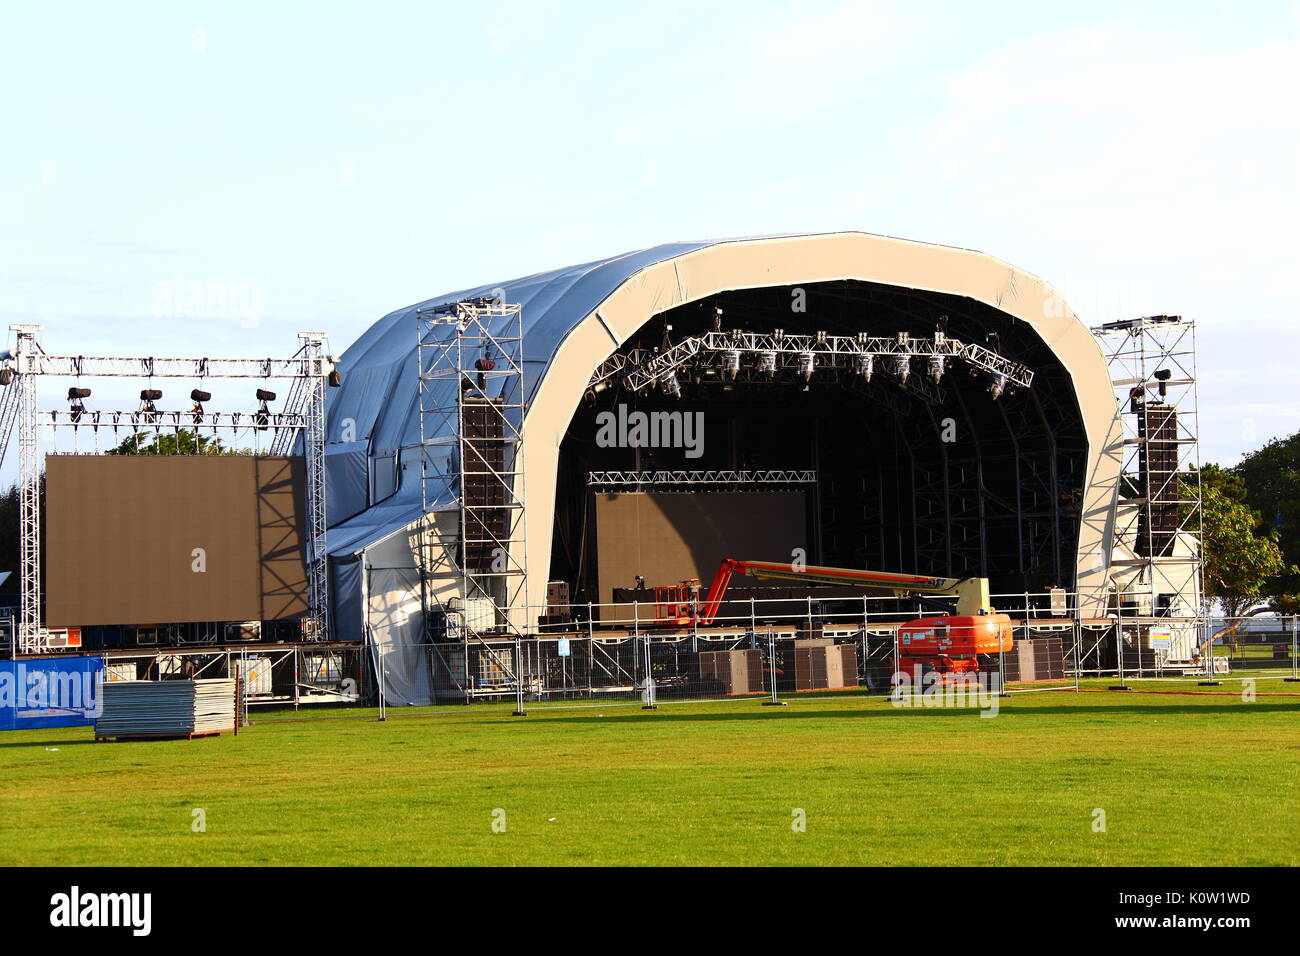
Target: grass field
1183	780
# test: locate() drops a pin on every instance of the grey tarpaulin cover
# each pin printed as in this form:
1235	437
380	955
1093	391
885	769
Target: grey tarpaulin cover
376	407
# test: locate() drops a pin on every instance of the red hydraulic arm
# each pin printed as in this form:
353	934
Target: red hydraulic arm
972	593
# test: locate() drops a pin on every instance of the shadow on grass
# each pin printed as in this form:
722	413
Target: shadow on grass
1084	710
60	744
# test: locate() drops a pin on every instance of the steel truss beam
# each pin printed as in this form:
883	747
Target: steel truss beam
623	479
642	370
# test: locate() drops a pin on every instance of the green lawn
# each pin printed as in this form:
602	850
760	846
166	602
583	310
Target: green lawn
1183	780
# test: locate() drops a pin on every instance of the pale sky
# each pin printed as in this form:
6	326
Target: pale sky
323	164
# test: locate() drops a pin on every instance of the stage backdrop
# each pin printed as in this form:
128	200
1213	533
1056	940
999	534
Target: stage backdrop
155	539
667	538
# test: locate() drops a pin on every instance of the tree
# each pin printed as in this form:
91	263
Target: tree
1272	487
1240	555
182	442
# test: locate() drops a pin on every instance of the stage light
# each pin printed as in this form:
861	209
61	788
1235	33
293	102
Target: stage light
1162	376
997	386
198	396
671	387
75	400
807	363
864	364
6	376
262	417
936	368
903	368
731	363
148	409
767	363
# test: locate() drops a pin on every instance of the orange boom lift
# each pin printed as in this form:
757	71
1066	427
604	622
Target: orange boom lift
947	643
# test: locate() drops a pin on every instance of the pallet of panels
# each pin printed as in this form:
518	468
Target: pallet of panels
166	709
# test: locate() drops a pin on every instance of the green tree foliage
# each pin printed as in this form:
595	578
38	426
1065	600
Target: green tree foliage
183	442
1241	556
10	541
1272	481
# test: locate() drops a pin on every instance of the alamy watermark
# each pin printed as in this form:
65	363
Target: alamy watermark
191	299
42	689
933	689
635	429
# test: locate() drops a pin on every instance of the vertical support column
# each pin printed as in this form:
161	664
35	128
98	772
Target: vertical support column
315	370
31	639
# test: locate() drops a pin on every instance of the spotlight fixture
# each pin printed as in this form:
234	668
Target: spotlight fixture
262	417
807	363
997	386
198	397
76	398
864	365
936	368
148	410
767	363
902	368
671	387
731	363
1162	376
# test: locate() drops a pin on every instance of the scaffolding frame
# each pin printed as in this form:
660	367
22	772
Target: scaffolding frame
472	404
309	368
1152	362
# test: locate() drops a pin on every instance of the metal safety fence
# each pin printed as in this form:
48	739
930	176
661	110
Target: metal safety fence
768	658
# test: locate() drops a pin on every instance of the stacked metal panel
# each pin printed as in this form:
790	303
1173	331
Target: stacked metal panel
169	708
738	671
1038	659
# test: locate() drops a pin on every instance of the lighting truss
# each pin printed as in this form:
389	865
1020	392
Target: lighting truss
636	479
284	423
309	368
641	369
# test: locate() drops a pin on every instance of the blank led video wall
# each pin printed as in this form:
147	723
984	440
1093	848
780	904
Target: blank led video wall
667	538
155	539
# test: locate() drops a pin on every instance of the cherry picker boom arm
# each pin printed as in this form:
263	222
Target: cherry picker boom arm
972	593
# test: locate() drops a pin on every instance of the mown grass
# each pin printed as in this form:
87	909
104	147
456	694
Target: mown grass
1183	780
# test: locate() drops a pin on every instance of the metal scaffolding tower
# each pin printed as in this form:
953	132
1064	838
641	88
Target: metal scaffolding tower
20	367
307	399
1152	363
472	409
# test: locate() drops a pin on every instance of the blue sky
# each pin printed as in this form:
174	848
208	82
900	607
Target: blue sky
317	165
